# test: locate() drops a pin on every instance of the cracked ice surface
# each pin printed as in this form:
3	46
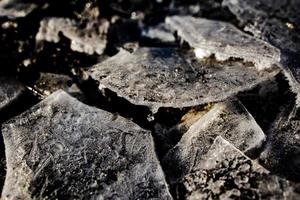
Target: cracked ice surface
277	23
163	77
226	173
223	40
228	119
62	148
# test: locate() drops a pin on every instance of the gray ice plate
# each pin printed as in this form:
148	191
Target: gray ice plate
276	22
226	173
223	40
64	149
229	119
168	136
10	90
13	9
90	39
162	77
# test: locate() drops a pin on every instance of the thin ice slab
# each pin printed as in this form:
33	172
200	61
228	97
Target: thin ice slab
10	90
90	38
64	149
226	173
276	22
224	40
163	77
228	119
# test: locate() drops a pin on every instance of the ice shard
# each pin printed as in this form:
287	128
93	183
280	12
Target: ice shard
165	77
224	41
277	22
226	173
228	119
64	149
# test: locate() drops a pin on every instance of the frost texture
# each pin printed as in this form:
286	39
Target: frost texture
15	8
89	39
162	77
64	149
228	119
223	40
276	22
225	173
10	90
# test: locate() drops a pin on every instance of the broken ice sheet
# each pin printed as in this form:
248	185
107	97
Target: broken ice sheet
13	9
89	37
229	119
162	77
64	149
276	22
282	153
223	40
10	90
226	173
167	135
